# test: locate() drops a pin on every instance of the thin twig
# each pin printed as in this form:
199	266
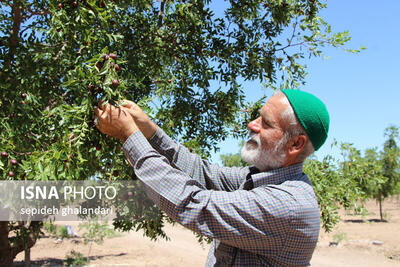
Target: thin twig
36	13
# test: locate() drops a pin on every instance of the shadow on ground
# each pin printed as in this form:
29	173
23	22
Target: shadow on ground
364	221
55	262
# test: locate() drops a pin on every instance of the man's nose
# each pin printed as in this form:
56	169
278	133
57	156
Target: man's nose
255	125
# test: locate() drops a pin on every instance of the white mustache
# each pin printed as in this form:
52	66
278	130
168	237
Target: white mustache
255	137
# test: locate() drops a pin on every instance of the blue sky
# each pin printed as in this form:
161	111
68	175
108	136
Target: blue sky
361	91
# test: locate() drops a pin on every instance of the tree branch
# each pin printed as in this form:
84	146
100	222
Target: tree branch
36	13
7	3
30	239
161	14
17	19
61	50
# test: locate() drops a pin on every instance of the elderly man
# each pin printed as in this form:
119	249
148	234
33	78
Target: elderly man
264	215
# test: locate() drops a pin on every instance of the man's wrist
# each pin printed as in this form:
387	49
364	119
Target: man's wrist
150	131
128	133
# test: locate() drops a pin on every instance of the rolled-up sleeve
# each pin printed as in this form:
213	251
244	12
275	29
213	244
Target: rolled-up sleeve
250	219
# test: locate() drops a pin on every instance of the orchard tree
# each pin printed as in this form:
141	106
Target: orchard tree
60	58
376	173
390	158
364	172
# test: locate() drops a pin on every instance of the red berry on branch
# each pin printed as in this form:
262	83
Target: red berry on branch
115	83
60	5
117	68
23	102
102	4
13	162
75	4
98	147
12	116
112	23
3	154
23	95
115	173
99	65
106	57
130	194
11	174
113	56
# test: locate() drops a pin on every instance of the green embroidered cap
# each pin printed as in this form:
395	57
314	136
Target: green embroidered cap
311	113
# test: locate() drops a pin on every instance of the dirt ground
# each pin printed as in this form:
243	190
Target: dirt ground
360	243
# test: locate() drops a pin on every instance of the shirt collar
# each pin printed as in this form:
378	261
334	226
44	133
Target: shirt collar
277	176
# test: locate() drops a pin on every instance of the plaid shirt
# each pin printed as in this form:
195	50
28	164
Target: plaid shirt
255	218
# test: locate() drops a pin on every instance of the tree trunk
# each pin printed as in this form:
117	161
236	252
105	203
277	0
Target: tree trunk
380	209
6	257
8	250
27	256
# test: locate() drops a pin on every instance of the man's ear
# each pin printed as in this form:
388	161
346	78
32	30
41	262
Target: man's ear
296	145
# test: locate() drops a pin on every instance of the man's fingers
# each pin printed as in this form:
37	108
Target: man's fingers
128	104
108	112
129	111
133	109
97	112
101	105
102	114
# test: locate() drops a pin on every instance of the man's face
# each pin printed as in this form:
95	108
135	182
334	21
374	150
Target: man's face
264	150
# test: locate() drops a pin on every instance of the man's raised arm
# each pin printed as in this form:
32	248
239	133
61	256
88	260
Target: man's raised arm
209	175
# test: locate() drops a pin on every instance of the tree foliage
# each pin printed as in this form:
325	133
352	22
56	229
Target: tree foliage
377	172
180	60
391	162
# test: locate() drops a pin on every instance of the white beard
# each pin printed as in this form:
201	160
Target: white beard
270	158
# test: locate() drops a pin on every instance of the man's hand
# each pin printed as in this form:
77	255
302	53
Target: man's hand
146	126
115	122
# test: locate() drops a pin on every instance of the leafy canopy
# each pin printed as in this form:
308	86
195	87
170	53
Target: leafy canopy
182	61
